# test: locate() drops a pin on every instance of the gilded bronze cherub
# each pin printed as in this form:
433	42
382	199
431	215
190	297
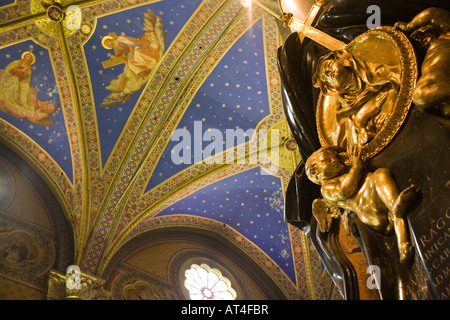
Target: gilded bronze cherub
373	196
431	28
362	96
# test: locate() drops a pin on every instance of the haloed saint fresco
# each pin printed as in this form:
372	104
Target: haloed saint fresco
19	248
18	96
139	56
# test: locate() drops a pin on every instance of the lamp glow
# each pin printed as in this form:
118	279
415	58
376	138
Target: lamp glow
246	3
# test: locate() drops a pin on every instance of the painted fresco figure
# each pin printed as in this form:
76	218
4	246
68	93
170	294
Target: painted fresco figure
18	97
18	249
139	55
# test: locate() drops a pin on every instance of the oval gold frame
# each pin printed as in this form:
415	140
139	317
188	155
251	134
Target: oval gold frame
408	77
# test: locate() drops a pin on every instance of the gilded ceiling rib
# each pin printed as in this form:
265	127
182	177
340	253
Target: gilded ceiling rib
203	72
273	270
241	165
85	198
120	183
38	16
149	165
172	197
85	181
20	22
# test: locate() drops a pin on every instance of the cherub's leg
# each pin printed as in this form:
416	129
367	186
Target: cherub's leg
398	214
386	187
370	109
397	203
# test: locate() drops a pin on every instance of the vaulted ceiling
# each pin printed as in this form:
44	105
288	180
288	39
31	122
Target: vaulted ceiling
107	154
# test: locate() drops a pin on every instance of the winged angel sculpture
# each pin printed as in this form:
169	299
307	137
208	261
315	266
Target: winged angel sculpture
140	56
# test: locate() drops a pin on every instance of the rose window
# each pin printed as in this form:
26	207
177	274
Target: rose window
205	283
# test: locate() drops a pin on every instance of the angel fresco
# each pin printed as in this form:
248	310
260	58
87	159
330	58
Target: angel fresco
140	57
18	97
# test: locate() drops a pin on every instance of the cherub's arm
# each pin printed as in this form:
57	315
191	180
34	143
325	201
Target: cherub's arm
346	185
21	73
436	17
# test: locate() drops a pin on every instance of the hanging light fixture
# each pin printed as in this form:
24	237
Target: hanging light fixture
304	28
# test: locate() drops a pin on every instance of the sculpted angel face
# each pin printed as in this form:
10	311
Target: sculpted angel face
324	164
336	76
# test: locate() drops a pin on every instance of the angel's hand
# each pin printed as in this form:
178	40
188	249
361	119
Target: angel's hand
401	25
382	97
353	152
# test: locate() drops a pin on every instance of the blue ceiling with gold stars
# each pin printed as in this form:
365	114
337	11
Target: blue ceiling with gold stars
51	138
97	118
250	202
233	96
130	23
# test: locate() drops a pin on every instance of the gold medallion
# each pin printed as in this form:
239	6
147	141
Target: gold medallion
366	91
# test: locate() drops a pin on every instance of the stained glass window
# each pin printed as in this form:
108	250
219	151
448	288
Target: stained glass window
205	283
